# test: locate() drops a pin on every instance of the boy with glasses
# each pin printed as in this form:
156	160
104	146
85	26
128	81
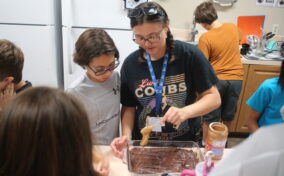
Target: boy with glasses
99	87
11	67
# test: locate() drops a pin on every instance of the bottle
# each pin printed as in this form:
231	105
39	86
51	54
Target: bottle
216	139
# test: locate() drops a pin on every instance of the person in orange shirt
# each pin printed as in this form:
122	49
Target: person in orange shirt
220	45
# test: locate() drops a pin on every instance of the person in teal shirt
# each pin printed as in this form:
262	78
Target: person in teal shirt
266	103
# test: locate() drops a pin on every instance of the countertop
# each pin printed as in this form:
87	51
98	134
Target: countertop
118	167
260	62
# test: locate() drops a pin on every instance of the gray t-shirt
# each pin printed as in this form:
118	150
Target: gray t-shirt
102	102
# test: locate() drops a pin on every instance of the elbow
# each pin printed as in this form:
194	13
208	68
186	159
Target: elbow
217	100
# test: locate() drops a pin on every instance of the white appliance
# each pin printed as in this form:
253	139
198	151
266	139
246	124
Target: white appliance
78	15
47	30
31	24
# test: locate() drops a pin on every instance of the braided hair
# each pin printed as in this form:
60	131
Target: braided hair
159	17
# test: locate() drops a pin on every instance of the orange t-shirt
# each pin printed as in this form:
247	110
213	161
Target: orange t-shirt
221	47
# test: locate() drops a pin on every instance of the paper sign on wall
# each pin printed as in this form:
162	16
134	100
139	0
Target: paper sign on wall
270	3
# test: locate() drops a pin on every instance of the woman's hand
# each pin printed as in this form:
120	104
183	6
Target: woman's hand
118	144
101	164
209	100
102	167
175	116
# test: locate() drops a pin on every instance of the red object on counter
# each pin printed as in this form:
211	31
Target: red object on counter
250	25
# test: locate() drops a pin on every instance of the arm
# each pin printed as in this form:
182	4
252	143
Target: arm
101	164
127	123
257	104
210	100
127	115
252	118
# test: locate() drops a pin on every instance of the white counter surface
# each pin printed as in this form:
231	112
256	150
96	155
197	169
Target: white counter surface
260	62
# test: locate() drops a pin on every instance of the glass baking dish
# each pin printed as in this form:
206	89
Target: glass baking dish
159	157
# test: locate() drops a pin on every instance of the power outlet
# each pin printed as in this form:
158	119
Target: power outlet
275	28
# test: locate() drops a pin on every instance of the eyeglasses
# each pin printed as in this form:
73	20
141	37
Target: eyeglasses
151	39
149	11
102	71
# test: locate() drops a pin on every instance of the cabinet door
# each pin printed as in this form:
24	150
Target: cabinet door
234	122
256	75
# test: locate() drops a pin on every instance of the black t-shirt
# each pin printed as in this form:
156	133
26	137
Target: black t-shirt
24	87
188	74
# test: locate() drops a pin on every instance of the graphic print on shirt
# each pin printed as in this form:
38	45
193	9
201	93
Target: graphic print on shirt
115	90
174	94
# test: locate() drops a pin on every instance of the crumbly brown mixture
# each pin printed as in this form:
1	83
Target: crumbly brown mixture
161	160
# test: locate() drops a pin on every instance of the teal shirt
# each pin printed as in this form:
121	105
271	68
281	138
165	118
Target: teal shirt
268	100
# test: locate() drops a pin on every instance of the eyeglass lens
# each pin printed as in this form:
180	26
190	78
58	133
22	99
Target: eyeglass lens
110	68
152	39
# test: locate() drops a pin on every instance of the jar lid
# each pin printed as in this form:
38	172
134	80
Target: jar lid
218	127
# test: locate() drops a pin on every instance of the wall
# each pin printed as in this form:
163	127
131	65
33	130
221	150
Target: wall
181	13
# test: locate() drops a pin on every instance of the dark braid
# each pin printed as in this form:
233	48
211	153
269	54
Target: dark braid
141	52
170	45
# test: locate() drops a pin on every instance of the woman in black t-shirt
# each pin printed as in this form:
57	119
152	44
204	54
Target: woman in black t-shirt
163	67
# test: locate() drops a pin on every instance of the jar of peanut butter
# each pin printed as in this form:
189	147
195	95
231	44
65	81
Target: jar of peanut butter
216	139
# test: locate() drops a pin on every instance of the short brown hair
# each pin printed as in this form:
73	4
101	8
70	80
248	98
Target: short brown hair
45	131
92	43
205	13
11	61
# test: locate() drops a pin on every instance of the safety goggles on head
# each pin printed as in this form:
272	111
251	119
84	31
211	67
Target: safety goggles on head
148	11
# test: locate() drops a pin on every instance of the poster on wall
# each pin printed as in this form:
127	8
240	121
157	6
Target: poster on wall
270	3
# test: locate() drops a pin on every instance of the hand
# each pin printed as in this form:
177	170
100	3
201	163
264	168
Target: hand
102	167
118	144
174	115
7	94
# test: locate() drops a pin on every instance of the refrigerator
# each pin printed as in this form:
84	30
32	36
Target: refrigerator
47	30
31	25
78	15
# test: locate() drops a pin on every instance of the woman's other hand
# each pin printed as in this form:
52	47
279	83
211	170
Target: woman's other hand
102	167
101	164
118	144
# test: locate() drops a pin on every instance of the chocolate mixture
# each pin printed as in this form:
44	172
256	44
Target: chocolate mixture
161	160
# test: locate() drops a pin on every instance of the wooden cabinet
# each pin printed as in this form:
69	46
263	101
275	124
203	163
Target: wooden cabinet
254	76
